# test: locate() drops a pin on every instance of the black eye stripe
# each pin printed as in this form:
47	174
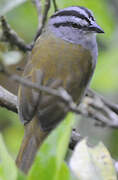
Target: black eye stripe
68	24
87	11
76	26
71	13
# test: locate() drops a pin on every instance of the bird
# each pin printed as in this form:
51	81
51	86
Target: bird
63	56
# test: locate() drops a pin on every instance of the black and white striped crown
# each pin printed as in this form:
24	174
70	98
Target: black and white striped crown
76	17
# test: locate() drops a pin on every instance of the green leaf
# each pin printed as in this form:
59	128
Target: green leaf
8	168
8	5
1	172
64	137
92	163
64	172
50	159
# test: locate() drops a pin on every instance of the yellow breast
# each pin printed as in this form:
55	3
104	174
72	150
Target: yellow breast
59	59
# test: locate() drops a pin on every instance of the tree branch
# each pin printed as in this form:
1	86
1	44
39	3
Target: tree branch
44	18
8	100
55	5
93	106
39	11
101	109
9	35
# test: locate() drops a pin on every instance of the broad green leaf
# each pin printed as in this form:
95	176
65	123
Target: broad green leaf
63	141
92	163
8	5
49	161
64	137
64	172
1	172
8	166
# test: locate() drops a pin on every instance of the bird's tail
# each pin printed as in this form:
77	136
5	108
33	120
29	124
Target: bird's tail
32	140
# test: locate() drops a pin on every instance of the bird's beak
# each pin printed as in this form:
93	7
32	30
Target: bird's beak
95	27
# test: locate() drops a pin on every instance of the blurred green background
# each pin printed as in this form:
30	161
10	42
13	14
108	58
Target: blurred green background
22	17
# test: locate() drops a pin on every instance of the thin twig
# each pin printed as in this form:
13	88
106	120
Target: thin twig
55	5
91	106
111	105
38	5
95	107
11	36
8	100
44	17
60	92
46	9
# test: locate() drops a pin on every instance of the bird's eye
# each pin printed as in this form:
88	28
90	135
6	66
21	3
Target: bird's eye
74	25
92	18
